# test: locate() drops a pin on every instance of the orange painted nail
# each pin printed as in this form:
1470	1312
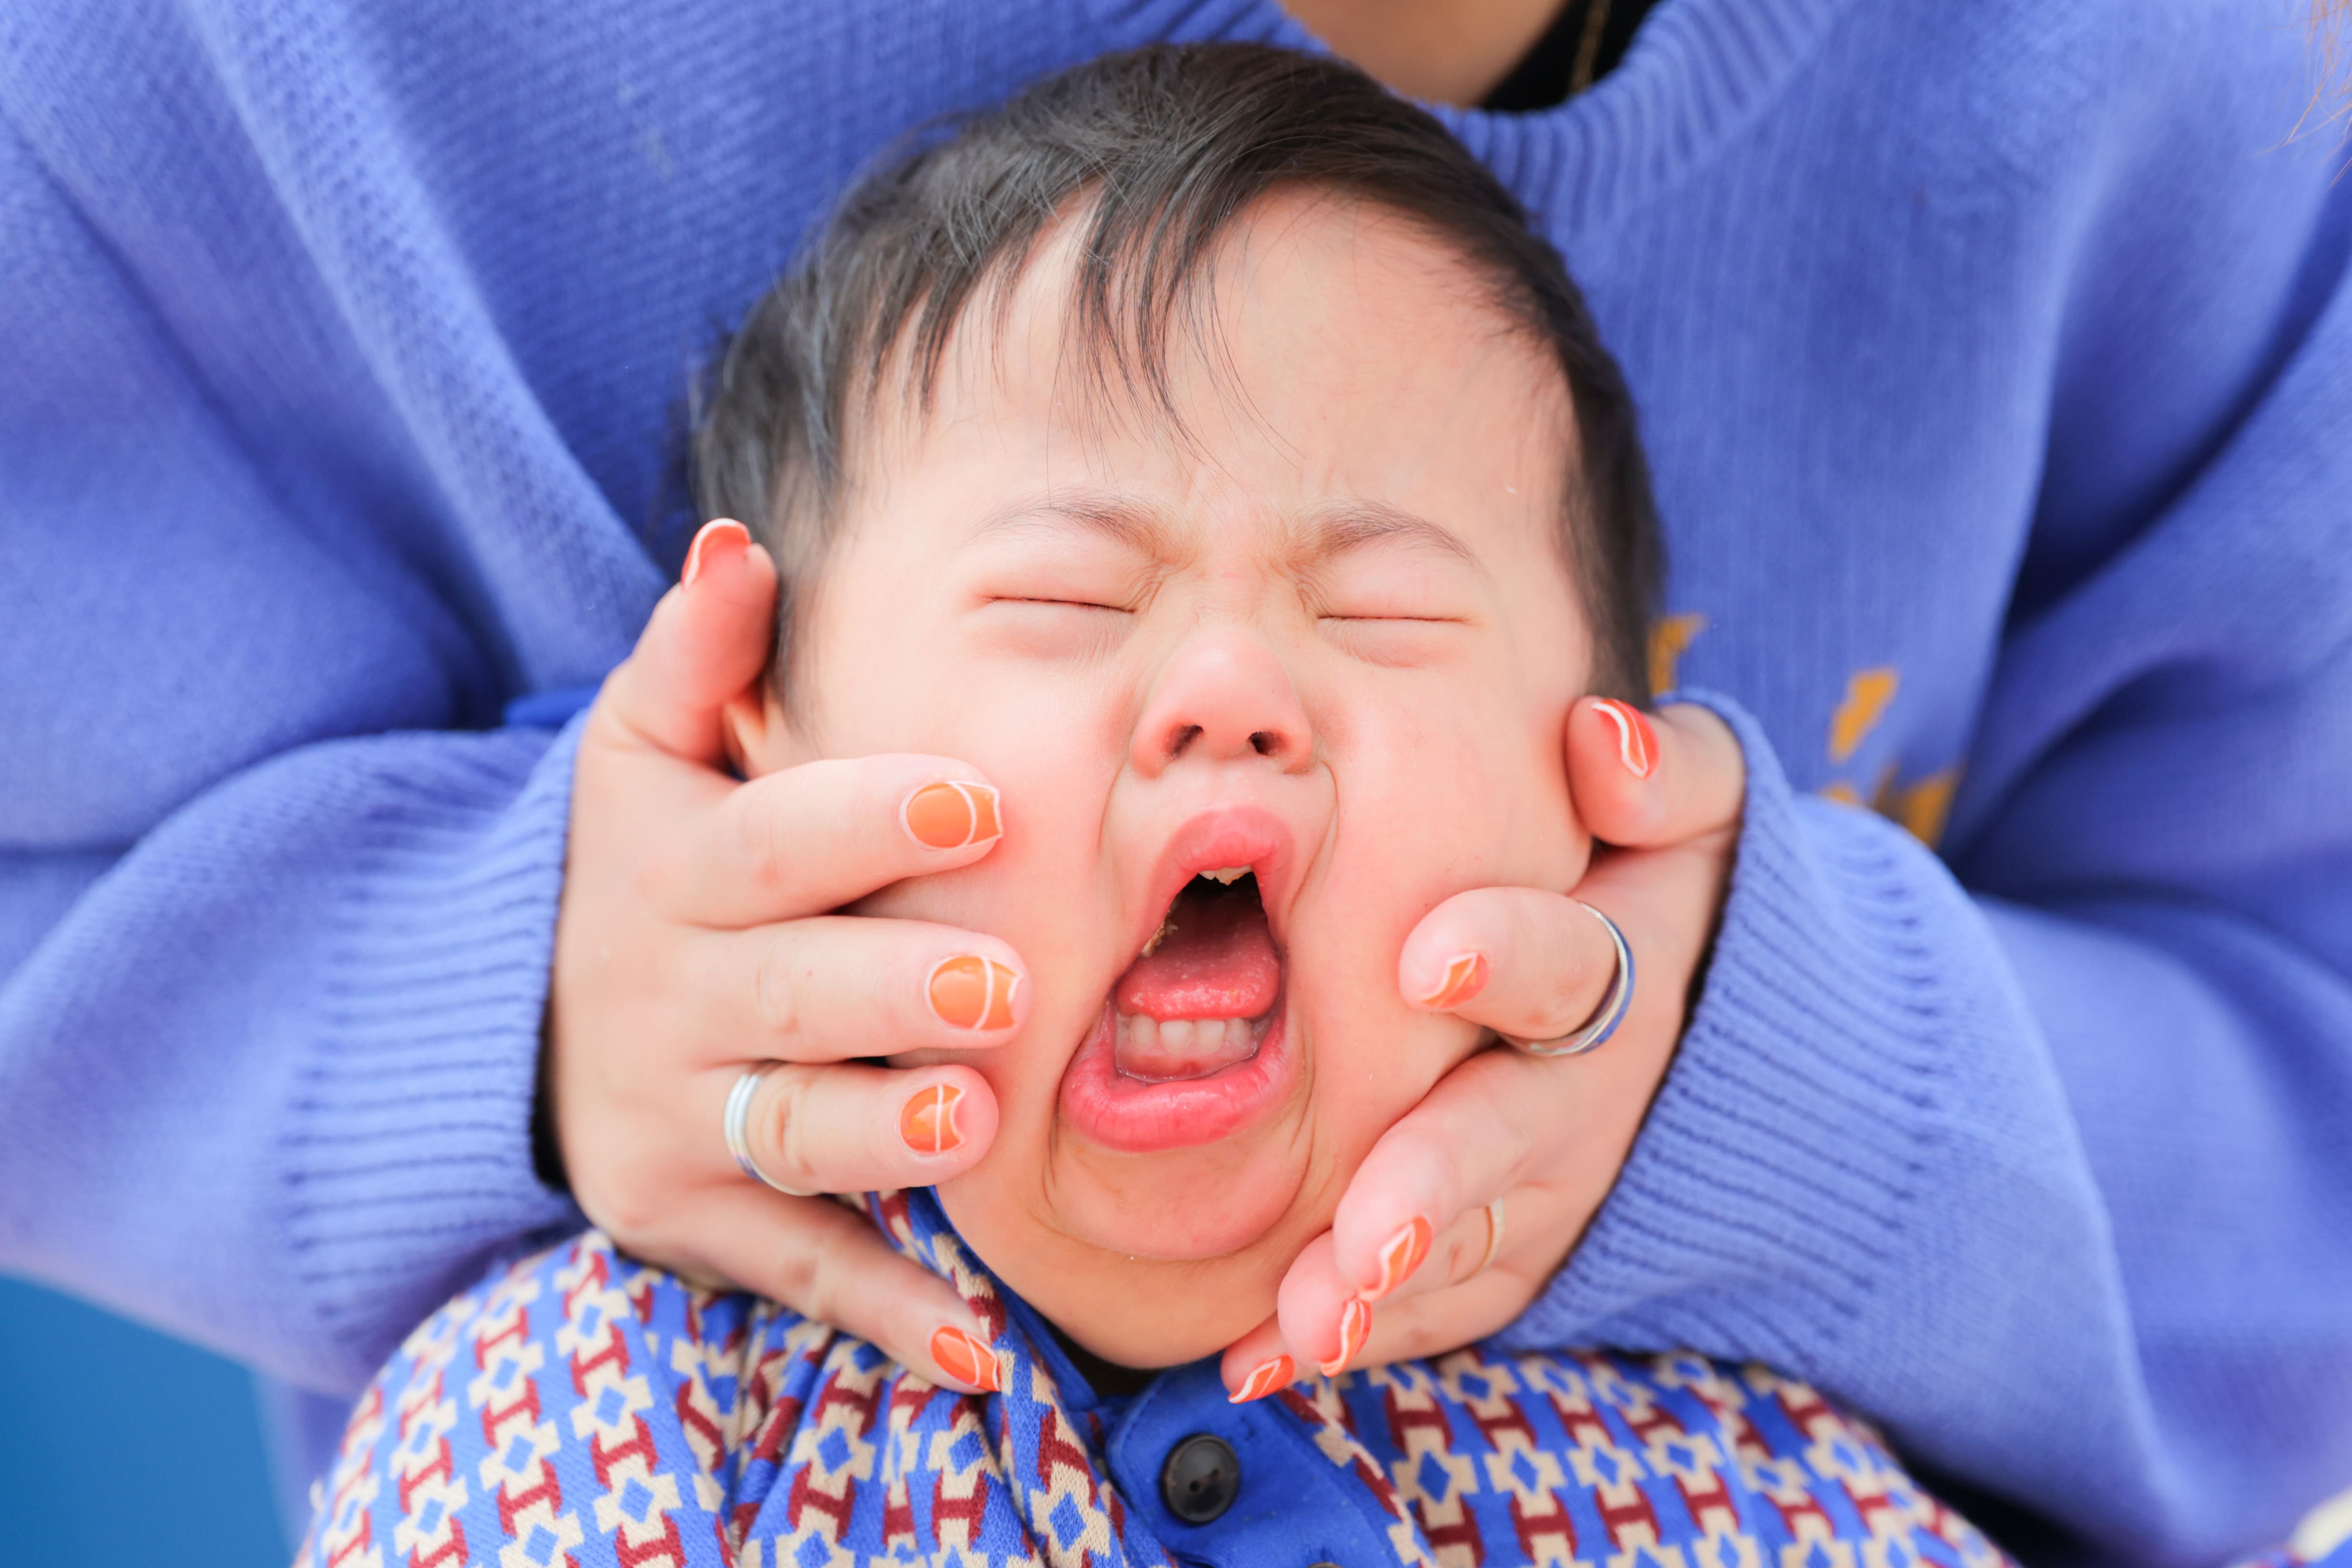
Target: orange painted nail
974	993
950	815
1265	1378
966	1360
1400	1255
1637	744
1355	1327
928	1123
723	534
1466	976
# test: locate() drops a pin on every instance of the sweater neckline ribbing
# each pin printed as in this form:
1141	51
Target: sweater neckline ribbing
1699	72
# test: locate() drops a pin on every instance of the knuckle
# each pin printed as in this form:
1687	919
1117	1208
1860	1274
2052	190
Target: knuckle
764	851
776	988
794	1278
785	1153
628	1211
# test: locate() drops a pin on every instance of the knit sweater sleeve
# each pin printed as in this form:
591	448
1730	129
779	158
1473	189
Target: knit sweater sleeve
2035	1150
275	911
269	1076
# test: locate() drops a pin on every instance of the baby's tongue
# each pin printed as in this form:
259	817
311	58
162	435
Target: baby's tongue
1185	1007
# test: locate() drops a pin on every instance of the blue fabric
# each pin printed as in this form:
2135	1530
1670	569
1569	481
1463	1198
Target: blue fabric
1996	362
585	1404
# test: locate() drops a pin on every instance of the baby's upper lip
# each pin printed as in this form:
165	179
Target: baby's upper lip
1214	839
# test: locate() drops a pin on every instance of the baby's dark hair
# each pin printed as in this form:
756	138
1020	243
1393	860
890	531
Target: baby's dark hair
1157	152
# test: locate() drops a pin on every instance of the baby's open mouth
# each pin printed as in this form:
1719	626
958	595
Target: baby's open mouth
1205	989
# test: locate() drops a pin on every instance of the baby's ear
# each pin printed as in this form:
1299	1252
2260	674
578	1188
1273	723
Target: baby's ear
759	737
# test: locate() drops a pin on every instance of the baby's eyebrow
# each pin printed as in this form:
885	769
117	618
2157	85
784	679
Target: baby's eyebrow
1335	530
1115	517
1321	536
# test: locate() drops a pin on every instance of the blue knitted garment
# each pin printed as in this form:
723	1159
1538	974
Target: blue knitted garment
1995	362
582	1406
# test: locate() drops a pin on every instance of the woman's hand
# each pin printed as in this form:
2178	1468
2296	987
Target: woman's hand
695	938
1405	1269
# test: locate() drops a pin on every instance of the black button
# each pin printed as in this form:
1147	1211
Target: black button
1201	1478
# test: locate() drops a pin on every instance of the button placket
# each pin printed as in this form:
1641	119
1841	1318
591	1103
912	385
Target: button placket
1290	1507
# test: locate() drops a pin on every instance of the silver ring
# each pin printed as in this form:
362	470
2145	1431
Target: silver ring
1494	1212
1607	1017
738	1141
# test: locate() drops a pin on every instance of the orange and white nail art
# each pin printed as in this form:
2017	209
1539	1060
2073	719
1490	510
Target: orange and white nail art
969	991
1466	976
1637	744
950	815
966	1360
1400	1255
1265	1378
1355	1328
928	1122
723	531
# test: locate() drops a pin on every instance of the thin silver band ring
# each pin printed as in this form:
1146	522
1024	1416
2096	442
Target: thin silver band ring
738	1140
1607	1017
1494	1238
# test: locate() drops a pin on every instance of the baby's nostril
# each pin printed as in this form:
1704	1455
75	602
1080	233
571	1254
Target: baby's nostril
1266	743
1182	739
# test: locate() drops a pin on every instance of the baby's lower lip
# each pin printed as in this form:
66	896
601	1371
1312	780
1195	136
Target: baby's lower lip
1142	1115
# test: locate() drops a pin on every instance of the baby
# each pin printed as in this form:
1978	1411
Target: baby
1202	445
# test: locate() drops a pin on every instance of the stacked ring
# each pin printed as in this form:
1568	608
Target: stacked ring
1612	1010
739	1140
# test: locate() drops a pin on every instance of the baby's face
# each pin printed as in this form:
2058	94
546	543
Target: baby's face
1323	632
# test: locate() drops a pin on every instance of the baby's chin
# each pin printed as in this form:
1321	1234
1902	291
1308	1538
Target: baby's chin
1152	1260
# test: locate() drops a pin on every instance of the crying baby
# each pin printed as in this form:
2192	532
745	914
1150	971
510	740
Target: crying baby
1203	447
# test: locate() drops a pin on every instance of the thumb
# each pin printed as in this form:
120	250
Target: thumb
1645	781
709	640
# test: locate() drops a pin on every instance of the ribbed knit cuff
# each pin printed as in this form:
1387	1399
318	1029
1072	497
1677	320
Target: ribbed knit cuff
408	1154
1763	1196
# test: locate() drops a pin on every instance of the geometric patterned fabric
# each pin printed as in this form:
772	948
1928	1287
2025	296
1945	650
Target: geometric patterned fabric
579	1410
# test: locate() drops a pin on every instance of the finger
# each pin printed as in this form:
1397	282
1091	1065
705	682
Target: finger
811	838
828	1264
1258	1366
1641	780
1324	1322
1517	960
708	640
1413	1214
845	1129
834	987
1436	1321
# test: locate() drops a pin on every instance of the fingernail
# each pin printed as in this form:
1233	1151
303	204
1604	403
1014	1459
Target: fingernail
1466	976
1637	744
1265	1378
966	1360
950	815
1355	1326
928	1124
1400	1255
723	534
974	993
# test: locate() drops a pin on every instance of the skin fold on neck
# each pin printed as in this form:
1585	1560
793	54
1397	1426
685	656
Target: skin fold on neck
1445	51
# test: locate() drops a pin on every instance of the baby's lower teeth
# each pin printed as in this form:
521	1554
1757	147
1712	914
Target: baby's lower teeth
1182	1045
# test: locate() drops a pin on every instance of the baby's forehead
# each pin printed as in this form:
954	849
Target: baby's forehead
1340	364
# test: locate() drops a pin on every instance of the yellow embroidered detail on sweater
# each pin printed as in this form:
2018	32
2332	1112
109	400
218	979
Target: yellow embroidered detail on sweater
1866	697
1669	641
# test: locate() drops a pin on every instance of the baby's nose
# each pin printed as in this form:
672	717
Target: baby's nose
1224	696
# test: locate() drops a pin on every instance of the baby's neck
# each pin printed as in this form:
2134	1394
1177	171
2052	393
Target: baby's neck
1108	1379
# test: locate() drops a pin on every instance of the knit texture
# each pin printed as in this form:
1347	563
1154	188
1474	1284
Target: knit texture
1995	363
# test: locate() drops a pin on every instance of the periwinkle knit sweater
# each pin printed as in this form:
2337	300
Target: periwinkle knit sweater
1996	361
